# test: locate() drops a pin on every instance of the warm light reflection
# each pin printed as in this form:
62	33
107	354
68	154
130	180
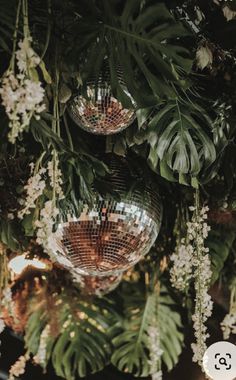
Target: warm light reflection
19	263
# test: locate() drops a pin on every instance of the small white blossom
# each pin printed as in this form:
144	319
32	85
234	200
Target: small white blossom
228	13
228	325
191	262
155	352
22	96
34	189
204	57
45	225
55	176
41	356
181	271
2	325
202	277
26	56
18	368
157	375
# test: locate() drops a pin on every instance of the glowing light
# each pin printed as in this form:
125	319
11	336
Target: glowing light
19	263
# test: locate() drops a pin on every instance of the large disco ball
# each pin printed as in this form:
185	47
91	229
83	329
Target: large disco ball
100	113
96	285
113	234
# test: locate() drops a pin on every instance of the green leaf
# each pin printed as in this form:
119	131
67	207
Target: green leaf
219	250
132	344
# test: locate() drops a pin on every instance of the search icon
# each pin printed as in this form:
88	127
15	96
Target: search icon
222	361
219	361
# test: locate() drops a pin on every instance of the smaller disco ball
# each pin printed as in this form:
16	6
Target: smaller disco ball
112	235
101	113
98	286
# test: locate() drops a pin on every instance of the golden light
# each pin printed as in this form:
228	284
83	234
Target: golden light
19	263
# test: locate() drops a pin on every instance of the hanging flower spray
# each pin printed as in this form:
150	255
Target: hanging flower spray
21	91
191	262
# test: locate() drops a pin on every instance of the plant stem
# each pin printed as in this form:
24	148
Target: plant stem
49	27
12	62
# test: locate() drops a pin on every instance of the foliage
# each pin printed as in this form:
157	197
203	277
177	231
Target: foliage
131	345
184	134
82	342
219	250
143	39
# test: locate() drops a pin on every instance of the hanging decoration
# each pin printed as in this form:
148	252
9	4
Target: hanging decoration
99	112
111	235
191	262
21	91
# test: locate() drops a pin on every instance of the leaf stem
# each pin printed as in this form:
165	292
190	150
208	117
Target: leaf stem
12	62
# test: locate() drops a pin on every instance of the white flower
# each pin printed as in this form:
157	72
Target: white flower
155	352
202	276
191	261
26	56
45	225
157	375
34	189
2	325
22	98
22	95
228	13
181	271
18	368
55	176
41	356
204	57
228	325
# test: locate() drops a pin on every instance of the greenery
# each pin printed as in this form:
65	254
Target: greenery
182	141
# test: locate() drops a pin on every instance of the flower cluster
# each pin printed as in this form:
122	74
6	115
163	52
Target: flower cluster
2	325
41	356
18	368
26	57
155	352
191	262
198	231
228	325
55	175
45	224
7	301
181	271
22	95
34	189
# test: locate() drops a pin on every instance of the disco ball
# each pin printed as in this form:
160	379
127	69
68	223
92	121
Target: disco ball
101	113
99	286
112	235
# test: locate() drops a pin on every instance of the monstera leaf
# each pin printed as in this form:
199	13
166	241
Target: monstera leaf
180	135
82	344
7	23
143	39
131	352
219	250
